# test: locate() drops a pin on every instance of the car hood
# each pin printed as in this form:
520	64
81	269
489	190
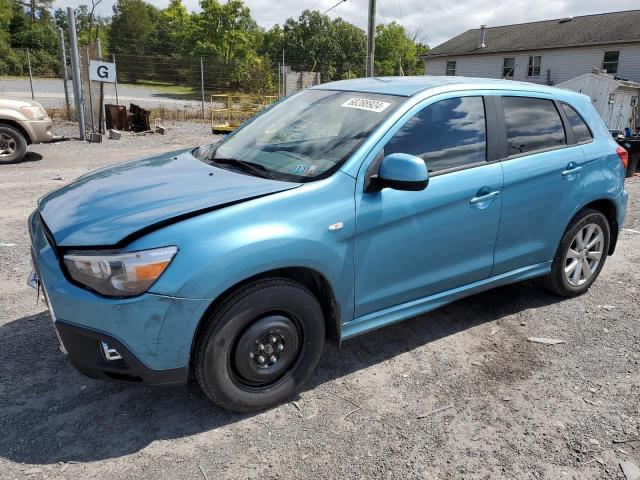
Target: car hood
111	206
17	103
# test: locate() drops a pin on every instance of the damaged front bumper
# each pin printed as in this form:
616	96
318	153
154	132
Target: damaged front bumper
130	339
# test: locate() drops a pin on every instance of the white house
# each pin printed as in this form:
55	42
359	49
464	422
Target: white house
548	52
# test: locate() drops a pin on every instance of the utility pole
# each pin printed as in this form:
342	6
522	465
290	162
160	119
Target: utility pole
65	74
371	38
75	66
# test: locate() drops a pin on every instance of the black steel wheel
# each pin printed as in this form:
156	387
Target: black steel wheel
260	346
266	350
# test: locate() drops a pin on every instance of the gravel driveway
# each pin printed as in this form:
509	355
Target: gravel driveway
457	393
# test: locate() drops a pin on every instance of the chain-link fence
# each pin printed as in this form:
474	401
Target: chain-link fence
170	87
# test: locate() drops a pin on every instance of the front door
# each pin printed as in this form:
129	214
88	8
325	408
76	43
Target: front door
410	245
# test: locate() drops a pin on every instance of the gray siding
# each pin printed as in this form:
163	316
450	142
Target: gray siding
563	64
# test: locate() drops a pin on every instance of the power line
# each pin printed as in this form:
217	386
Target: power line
331	8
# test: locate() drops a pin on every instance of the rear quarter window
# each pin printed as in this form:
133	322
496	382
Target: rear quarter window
578	125
532	124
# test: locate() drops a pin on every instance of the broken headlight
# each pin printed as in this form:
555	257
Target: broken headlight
123	274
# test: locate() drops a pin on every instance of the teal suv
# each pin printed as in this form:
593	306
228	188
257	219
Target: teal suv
339	210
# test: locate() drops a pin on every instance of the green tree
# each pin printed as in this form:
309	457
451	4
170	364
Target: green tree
270	42
352	49
397	53
7	56
174	29
34	35
132	25
6	14
309	43
225	31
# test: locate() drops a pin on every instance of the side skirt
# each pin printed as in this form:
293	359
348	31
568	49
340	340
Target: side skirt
390	315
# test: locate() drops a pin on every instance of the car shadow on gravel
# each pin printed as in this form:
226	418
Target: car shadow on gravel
28	157
51	413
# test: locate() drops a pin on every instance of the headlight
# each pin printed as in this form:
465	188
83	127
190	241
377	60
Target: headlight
33	112
119	274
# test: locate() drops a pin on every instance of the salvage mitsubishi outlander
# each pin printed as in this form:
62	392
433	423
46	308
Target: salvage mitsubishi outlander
340	209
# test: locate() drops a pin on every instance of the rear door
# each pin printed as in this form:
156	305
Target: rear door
543	181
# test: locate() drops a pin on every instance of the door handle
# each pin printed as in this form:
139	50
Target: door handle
572	169
484	197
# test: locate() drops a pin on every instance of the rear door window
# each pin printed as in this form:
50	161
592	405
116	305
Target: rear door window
446	134
578	125
532	124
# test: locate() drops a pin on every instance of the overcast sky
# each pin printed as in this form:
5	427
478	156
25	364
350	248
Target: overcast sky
435	21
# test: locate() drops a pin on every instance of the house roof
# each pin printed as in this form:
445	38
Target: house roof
604	28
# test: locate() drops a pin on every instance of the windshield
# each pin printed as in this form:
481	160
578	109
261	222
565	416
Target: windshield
306	137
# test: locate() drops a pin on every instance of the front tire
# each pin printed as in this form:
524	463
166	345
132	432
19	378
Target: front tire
260	346
13	145
581	254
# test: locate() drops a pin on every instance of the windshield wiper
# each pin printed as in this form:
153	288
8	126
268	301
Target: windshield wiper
254	168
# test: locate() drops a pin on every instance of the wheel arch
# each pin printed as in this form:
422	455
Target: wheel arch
17	126
608	208
313	280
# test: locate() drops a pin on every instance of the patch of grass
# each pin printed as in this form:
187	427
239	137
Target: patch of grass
163	87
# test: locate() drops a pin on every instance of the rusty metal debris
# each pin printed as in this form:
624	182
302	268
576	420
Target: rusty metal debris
116	117
135	120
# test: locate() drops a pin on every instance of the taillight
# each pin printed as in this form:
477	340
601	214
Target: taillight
624	156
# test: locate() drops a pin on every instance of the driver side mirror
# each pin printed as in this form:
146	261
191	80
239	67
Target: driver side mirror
401	171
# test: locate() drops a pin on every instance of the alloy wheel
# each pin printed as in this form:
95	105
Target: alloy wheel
584	254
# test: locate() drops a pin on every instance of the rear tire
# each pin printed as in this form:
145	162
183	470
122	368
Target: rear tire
13	145
260	346
581	254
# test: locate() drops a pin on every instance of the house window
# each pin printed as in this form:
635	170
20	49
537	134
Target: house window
451	67
508	67
534	66
610	61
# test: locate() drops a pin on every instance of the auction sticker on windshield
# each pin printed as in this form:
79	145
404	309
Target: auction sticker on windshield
366	104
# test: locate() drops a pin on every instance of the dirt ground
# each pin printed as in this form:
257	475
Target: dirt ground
457	393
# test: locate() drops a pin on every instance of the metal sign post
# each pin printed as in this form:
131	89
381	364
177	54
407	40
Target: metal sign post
115	77
75	65
101	117
103	72
204	116
65	75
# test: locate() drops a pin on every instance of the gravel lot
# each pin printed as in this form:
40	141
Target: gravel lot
457	393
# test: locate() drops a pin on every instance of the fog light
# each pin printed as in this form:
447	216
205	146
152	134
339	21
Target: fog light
109	353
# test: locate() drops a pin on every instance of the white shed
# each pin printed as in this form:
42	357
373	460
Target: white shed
615	100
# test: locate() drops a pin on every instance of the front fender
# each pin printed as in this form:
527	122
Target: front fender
220	249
